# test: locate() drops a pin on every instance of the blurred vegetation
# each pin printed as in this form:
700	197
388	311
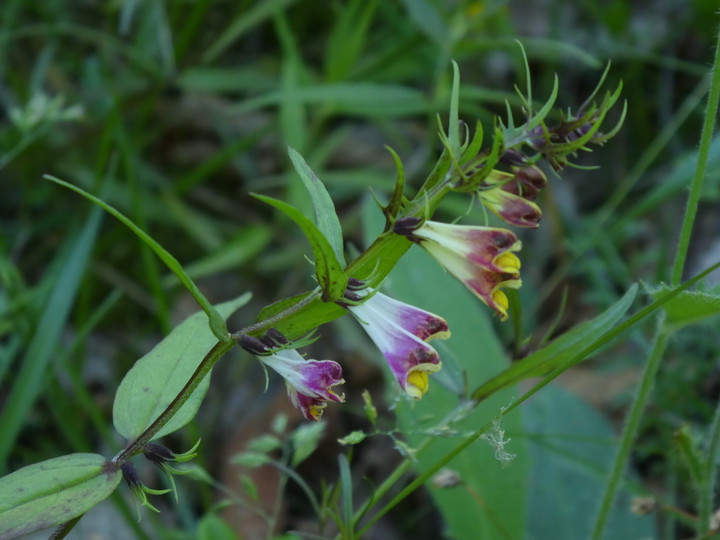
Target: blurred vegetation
175	111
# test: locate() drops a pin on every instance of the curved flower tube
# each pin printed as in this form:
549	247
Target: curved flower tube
309	382
401	332
481	257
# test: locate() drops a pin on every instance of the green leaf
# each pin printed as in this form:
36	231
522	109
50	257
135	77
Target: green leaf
326	218
491	503
251	459
396	199
347	38
212	527
305	440
359	99
561	351
454	119
217	322
571	446
354	437
154	381
425	16
54	491
329	272
688	307
245	21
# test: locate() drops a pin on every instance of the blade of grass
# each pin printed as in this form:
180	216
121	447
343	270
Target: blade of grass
217	323
242	23
28	386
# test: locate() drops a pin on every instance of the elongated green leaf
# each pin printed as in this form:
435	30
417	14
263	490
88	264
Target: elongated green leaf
54	491
155	379
347	38
330	274
560	351
364	99
217	322
242	23
326	217
689	307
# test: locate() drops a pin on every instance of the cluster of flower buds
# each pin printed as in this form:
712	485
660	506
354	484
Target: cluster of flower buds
579	131
509	193
161	457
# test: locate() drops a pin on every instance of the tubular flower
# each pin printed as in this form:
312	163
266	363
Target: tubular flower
401	332
511	195
309	382
480	257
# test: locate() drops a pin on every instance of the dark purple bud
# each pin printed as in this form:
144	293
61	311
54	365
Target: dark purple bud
575	134
531	176
513	158
158	454
274	338
355	284
253	345
130	474
407	225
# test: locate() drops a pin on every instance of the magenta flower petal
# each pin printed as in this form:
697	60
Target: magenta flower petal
481	257
401	331
309	382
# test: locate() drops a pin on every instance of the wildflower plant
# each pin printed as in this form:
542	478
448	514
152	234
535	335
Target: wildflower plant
165	389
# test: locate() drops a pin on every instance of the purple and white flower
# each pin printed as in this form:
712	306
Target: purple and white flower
401	332
309	382
481	257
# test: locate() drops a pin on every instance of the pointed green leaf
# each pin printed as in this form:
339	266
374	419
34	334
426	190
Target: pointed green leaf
396	199
217	322
52	492
330	275
326	218
688	307
306	439
154	381
454	120
562	350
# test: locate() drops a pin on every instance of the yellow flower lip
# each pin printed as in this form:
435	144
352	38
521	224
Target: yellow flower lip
417	383
501	303
508	262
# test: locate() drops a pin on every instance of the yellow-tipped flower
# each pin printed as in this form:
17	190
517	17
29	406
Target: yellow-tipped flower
481	257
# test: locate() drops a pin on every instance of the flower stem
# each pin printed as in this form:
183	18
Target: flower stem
707	487
697	181
631	427
220	348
